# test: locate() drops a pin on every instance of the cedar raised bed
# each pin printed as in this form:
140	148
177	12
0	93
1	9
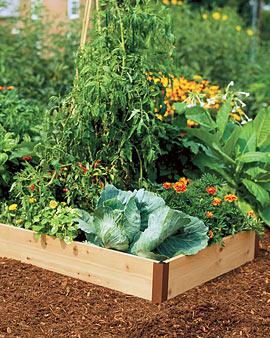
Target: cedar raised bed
137	276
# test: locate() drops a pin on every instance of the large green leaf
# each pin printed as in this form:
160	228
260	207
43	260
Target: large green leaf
262	127
255	156
201	116
189	239
223	116
207	138
165	222
261	195
265	214
247	139
229	147
259	174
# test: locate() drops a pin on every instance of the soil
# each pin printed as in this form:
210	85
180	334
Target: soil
37	303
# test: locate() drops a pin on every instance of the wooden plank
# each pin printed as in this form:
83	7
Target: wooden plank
160	282
115	270
186	272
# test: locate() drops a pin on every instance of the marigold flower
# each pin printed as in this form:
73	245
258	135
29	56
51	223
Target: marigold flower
205	16
32	187
2	88
216	201
250	32
209	214
65	190
53	204
184	180
166	2
238	28
251	213
230	198
10	87
191	123
211	190
179	187
225	17
32	200
13	207
27	158
167	185
216	16
210	234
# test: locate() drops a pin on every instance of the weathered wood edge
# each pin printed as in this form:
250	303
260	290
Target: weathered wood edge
160	282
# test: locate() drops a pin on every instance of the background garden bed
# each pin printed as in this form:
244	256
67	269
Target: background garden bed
129	274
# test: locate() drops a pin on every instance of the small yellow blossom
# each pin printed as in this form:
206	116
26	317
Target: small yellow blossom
197	77
238	28
191	123
236	117
159	117
216	16
174	2
250	32
205	16
19	221
32	200
166	2
53	204
63	204
225	17
13	207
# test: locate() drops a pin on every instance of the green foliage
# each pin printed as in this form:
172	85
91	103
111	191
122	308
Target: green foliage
223	218
239	153
211	47
38	57
54	219
110	113
142	224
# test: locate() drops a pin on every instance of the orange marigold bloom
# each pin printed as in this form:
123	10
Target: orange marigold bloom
216	201
211	190
167	185
251	213
230	198
184	180
210	234
209	214
180	187
2	87
10	87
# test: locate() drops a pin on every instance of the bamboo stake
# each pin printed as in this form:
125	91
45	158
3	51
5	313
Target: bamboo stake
86	20
98	16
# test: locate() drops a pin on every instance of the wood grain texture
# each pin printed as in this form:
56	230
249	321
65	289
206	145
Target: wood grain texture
115	270
186	272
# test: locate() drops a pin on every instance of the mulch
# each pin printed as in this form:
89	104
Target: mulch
38	303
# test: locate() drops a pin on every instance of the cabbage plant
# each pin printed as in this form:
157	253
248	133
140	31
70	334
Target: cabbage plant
140	223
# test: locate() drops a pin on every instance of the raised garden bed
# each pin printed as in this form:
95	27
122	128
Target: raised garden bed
141	277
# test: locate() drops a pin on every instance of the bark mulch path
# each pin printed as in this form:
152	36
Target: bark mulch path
37	303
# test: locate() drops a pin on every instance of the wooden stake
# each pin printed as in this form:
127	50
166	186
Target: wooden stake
86	20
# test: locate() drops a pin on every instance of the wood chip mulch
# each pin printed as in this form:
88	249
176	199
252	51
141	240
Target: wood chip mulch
37	303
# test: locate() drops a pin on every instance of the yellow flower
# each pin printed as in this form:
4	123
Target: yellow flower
53	204
19	221
250	32
238	28
230	198
225	17
216	16
166	2
191	123
159	117
32	200
236	117
13	207
197	77
63	204
205	16
174	2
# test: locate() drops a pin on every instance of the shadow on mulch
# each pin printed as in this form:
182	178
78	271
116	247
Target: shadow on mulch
36	303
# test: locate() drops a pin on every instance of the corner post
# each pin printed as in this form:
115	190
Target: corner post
160	282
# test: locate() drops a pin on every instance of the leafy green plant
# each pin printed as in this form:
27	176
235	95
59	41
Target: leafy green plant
110	112
54	219
209	198
239	153
140	222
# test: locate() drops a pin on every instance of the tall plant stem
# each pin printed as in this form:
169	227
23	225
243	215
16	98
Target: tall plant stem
122	36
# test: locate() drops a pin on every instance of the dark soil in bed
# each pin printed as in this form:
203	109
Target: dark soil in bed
37	303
